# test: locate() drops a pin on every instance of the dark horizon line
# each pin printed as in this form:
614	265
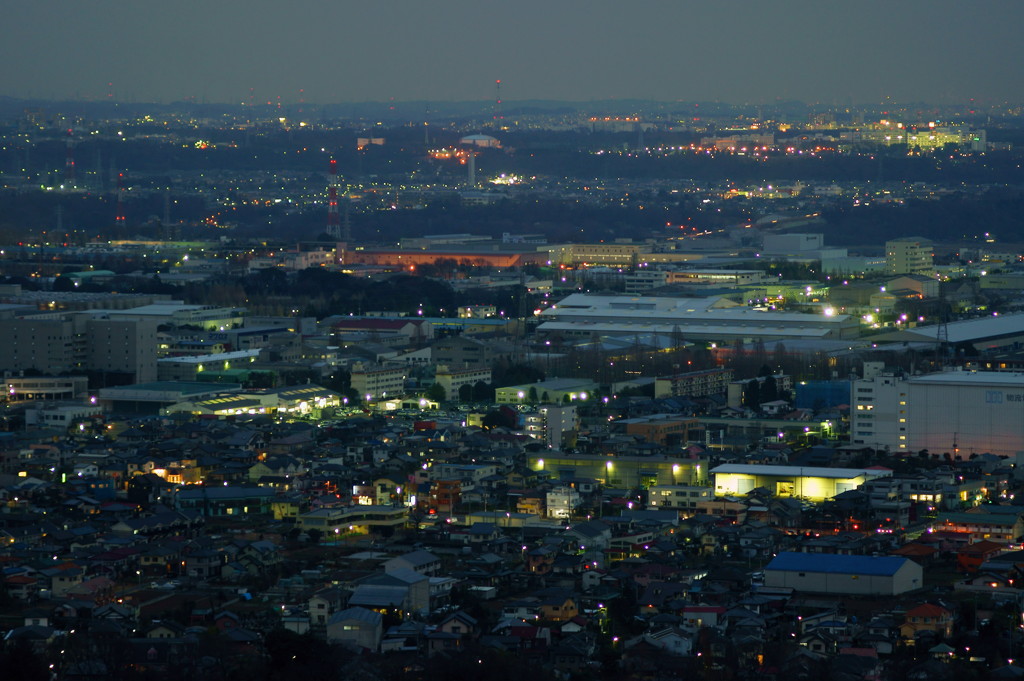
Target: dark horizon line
505	102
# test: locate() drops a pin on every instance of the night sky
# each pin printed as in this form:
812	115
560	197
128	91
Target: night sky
940	51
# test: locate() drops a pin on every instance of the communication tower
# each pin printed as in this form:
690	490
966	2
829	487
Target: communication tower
333	219
69	160
119	220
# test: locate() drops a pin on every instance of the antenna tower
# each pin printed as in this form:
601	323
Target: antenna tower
498	116
119	220
69	162
333	221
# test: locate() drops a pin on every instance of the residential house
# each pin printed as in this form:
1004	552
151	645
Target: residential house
357	627
926	618
422	562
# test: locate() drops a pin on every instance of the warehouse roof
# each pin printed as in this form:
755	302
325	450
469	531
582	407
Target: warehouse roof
789	561
1002	378
964	330
801	471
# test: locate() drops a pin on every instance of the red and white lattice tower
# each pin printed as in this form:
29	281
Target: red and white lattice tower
333	218
120	219
69	160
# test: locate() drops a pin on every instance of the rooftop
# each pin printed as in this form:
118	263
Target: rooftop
836	564
994	378
799	471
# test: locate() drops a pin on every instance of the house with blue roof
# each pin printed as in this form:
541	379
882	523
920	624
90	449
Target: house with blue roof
843	574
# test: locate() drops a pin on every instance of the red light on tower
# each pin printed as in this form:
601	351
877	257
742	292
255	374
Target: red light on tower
69	162
120	218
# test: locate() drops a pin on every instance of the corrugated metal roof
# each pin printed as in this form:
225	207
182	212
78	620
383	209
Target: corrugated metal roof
800	471
359	614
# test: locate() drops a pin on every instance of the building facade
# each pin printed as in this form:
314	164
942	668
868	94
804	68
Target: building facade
693	383
374	382
843	574
622	471
65	342
955	412
814	483
909	255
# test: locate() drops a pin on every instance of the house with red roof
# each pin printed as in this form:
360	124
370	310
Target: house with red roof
970	558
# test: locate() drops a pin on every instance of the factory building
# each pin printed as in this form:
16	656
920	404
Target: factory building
955	412
621	471
712	319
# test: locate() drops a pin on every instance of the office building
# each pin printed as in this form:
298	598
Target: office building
693	383
90	340
374	382
552	424
909	255
453	379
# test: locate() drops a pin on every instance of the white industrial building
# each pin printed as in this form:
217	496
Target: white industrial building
705	319
986	334
843	574
955	412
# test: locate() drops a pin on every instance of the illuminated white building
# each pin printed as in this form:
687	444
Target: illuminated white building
808	482
562	501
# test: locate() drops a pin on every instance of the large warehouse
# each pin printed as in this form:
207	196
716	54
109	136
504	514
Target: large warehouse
982	333
809	482
842	574
955	412
713	319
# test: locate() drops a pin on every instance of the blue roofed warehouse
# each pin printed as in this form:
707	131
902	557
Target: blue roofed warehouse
841	574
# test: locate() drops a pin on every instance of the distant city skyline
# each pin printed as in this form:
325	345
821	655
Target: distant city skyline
938	51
